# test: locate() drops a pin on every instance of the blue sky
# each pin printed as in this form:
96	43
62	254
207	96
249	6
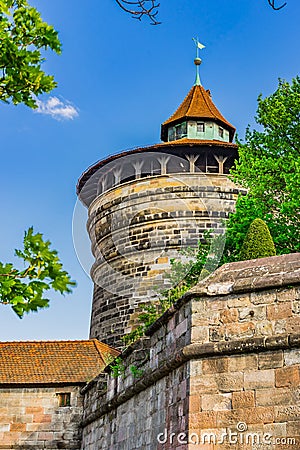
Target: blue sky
123	77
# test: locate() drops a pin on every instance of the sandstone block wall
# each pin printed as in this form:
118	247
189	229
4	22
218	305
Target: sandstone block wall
220	369
32	419
129	412
135	230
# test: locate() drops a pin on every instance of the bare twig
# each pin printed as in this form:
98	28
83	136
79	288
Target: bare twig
149	8
272	4
140	8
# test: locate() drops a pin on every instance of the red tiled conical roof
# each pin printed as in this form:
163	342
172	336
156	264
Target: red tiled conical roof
197	104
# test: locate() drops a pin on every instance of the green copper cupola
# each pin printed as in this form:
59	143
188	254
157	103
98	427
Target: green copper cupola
197	118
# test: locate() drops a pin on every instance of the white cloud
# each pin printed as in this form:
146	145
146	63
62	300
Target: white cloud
58	109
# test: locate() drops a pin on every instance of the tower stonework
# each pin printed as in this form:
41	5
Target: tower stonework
147	204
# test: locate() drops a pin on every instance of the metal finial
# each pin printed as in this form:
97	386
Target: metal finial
197	60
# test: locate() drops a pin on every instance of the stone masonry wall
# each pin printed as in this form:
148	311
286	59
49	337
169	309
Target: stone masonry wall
135	230
219	370
129	412
32	418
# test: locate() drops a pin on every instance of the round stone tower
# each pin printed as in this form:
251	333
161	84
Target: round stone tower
148	203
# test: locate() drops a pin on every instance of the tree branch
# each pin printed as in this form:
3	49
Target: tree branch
140	8
272	4
149	8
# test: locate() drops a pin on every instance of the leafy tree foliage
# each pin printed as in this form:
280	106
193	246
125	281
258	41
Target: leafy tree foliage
23	35
24	289
258	242
269	167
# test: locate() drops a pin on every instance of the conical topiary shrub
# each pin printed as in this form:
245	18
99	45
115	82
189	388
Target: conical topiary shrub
258	242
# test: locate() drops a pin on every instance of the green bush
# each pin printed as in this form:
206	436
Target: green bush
258	242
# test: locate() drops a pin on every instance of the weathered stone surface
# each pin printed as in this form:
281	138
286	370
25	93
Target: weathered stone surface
241	400
257	415
287	376
264	328
33	419
240	330
253	313
241	363
216	402
274	397
239	301
266	298
259	379
200	334
271	272
287	413
214	365
194	404
279	311
229	315
292	357
229	382
203	420
220	288
270	360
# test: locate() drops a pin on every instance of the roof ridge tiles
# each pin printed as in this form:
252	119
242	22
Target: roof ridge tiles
207	103
105	349
191	101
53	361
32	341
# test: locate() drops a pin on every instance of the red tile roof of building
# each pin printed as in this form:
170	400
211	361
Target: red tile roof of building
197	104
53	362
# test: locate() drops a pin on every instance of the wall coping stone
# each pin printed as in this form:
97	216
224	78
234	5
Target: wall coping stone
237	277
254	274
195	351
100	381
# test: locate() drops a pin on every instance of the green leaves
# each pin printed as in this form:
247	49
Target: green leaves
23	34
269	167
24	289
258	242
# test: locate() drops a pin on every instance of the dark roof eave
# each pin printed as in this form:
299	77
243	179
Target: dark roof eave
92	169
188	117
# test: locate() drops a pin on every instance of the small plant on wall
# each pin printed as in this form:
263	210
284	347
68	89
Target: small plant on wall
186	272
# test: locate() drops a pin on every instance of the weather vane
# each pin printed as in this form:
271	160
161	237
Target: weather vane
198	60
